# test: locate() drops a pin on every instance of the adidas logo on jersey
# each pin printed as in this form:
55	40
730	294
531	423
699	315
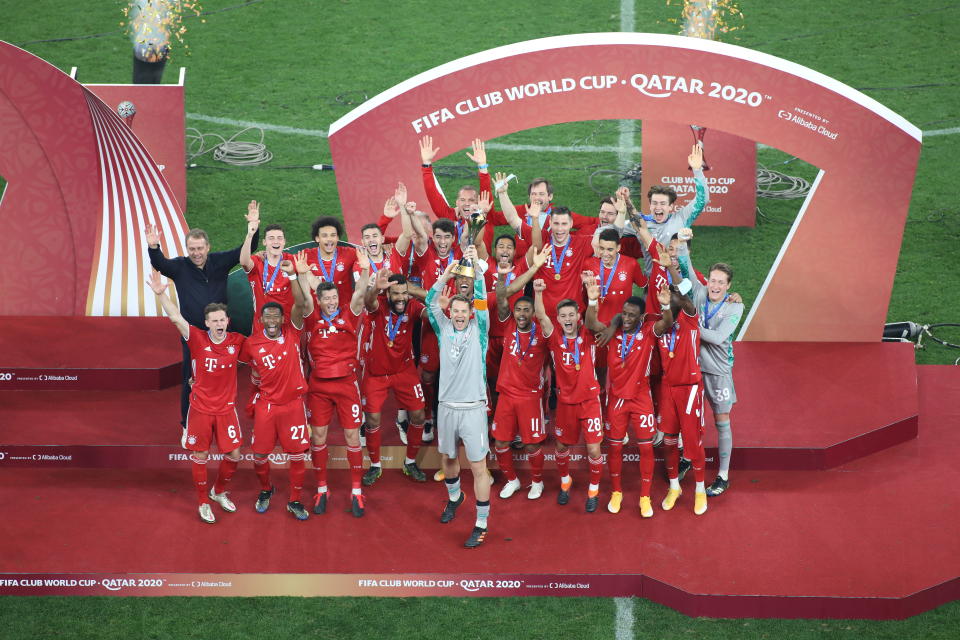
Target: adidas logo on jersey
207	348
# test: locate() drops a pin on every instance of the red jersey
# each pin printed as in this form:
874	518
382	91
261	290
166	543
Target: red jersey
214	370
683	340
269	284
338	270
632	350
616	284
491	277
390	260
390	348
431	266
332	342
439	205
570	259
278	364
521	366
573	360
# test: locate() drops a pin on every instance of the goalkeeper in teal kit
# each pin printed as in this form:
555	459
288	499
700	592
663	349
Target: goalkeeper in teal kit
462	411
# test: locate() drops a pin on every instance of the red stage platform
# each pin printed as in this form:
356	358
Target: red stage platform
870	539
52	353
802	406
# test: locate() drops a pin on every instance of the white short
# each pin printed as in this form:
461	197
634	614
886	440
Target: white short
469	424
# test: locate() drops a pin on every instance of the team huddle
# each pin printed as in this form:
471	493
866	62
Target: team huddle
485	340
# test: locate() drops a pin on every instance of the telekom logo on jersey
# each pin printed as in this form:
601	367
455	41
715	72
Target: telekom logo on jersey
269	361
210	364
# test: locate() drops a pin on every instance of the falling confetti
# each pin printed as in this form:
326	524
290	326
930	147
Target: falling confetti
708	19
153	23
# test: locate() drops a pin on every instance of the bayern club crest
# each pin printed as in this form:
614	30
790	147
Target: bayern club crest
622	276
192	440
280	340
339	266
339	320
230	349
569	253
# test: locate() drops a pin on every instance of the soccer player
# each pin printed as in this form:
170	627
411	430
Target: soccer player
279	412
327	262
539	214
520	386
573	350
268	282
213	413
628	387
721	313
462	411
467	196
680	399
391	366
372	239
333	337
200	278
667	218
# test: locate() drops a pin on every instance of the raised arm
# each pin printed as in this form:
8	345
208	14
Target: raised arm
590	319
539	286
506	205
434	312
363	284
690	212
666	315
172	311
437	202
536	232
166	266
302	295
253	224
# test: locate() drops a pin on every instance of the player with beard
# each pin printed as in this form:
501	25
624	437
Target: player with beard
328	262
574	354
213	413
628	387
462	412
333	337
520	386
279	412
393	368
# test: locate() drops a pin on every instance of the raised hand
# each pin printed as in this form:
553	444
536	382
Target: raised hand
363	259
685	234
382	281
663	258
470	253
539	285
485	203
500	181
623	192
253	211
534	209
288	267
301	262
410	208
155	284
733	296
390	208
427	151
620	203
695	159
503	271
152	235
448	272
587	278
444	298
540	258
400	195
663	296
479	155
593	290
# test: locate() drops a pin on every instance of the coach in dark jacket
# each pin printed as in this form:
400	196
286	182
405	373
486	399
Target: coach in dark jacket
201	278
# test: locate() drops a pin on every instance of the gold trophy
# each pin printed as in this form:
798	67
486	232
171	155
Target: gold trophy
465	266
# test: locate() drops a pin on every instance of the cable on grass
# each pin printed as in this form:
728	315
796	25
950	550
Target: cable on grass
779	186
228	150
927	331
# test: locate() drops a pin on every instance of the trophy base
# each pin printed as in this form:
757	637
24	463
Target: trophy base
464	270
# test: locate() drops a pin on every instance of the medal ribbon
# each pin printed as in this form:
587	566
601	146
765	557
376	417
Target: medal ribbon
575	351
333	266
331	317
673	337
708	314
604	287
626	346
392	327
558	264
268	286
533	339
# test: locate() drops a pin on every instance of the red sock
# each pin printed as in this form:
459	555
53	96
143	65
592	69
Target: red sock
646	467
225	474
355	458
262	467
697	460
199	469
429	399
563	463
671	454
318	457
596	467
298	469
414	440
536	464
373	444
615	464
505	460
